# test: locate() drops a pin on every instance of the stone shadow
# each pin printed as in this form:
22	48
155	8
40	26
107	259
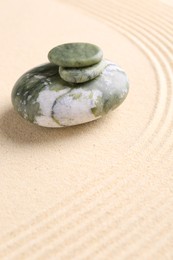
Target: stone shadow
20	131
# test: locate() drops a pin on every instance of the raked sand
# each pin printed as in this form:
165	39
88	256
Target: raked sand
102	190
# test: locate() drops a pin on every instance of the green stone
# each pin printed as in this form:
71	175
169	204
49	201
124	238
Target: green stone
75	55
80	75
43	98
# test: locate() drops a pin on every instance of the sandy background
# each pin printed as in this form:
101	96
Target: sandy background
102	190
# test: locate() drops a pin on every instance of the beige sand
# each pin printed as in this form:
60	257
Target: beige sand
102	190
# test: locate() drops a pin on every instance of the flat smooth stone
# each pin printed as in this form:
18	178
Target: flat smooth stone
80	75
43	98
75	55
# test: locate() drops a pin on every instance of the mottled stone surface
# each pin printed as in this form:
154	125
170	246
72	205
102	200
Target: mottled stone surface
43	98
75	55
80	75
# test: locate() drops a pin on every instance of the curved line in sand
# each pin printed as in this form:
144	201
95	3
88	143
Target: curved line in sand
43	219
164	73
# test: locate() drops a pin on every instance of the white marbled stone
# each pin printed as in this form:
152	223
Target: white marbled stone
42	97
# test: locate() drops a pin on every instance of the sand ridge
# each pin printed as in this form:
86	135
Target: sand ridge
102	190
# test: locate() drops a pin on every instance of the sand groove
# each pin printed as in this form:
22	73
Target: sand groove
162	57
45	223
68	229
92	231
164	35
90	219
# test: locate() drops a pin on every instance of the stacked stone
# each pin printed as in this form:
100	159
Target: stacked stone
86	87
78	62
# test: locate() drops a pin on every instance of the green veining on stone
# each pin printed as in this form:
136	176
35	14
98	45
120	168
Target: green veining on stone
56	121
43	98
76	96
80	75
75	55
29	86
98	109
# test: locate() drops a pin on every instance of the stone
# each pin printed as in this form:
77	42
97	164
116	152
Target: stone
43	98
80	75
75	55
